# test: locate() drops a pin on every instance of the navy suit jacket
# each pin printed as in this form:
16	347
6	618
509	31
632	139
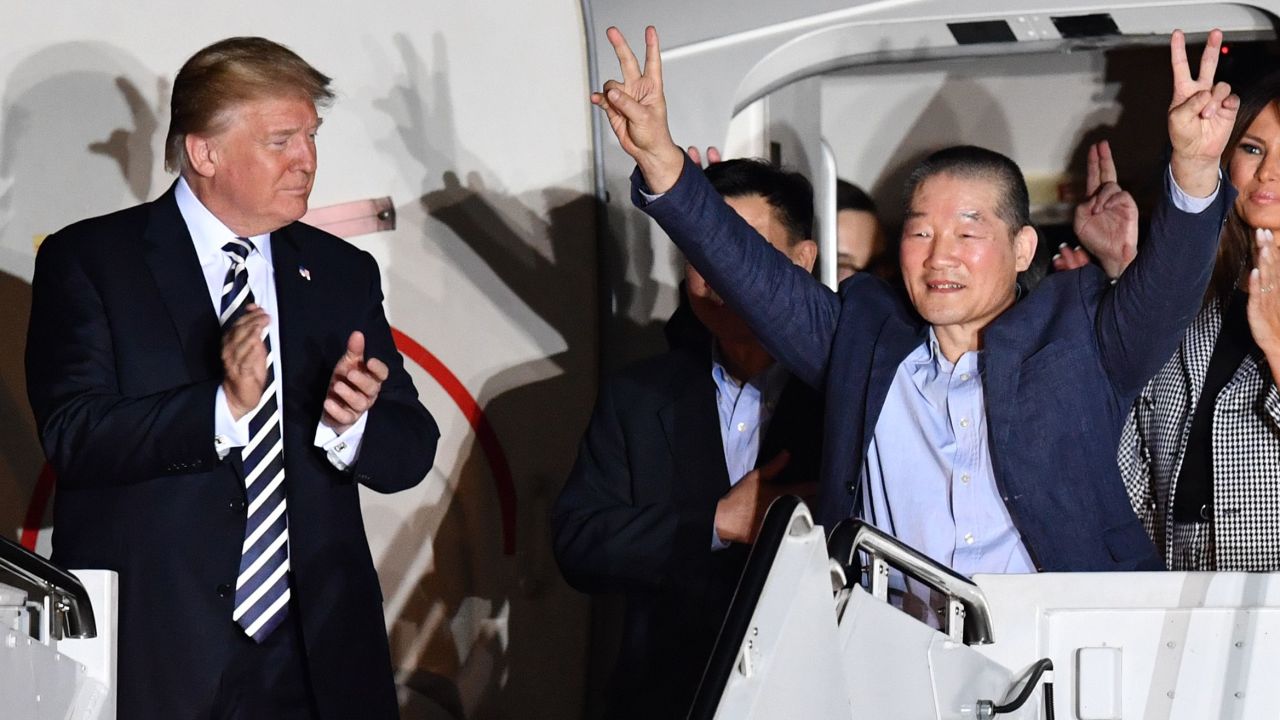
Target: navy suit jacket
637	511
1061	367
122	370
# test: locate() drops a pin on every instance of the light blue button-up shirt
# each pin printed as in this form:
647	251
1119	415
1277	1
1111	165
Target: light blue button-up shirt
745	410
927	477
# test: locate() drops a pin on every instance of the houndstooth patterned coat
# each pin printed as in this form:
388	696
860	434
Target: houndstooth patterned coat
1245	532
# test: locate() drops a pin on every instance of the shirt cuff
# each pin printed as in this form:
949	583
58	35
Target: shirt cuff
1185	202
641	195
342	450
716	542
227	431
648	196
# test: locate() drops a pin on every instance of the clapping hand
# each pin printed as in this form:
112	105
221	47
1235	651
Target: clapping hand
1201	116
637	112
353	386
1264	300
244	361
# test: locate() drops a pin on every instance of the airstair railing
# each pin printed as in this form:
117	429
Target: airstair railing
65	610
774	529
967	619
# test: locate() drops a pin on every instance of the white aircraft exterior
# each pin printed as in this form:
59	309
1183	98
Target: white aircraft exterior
517	271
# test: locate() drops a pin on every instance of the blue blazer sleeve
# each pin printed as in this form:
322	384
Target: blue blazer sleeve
400	439
1142	320
791	312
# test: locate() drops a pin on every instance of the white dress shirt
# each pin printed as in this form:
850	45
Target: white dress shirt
209	234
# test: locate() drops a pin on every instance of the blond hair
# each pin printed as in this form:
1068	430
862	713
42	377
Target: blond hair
230	72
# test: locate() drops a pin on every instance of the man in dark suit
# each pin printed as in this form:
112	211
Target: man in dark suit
212	381
683	455
978	428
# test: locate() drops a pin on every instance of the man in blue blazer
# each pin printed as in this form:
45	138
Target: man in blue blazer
974	426
213	381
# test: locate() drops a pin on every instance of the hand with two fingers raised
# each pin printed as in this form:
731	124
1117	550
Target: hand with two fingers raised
1201	116
637	112
1106	222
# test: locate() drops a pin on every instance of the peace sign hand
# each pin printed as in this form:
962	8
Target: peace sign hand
1107	221
1201	116
637	112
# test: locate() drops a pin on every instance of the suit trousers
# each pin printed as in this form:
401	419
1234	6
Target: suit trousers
267	680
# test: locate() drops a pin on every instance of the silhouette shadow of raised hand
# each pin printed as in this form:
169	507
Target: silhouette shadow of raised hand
481	633
132	149
50	176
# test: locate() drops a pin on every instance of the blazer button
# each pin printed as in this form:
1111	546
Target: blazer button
236	506
224	590
851	487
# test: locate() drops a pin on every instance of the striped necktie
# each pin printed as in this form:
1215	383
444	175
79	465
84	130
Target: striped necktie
262	587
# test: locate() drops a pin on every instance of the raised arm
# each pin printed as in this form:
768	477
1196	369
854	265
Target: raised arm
789	311
400	439
1141	321
637	112
1201	116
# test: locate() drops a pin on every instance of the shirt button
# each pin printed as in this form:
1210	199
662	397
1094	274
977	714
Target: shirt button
964	422
964	377
225	590
968	538
340	447
965	478
742	427
236	506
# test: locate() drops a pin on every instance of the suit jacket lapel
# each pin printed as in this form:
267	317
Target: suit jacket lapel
691	423
1197	350
896	341
171	257
287	259
796	426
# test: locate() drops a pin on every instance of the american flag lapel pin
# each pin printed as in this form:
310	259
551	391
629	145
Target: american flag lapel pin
305	273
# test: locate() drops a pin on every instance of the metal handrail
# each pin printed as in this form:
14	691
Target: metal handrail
68	611
968	618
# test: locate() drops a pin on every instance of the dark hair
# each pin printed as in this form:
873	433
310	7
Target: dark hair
970	161
788	193
1235	245
852	197
229	72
